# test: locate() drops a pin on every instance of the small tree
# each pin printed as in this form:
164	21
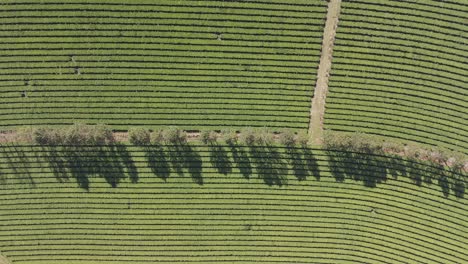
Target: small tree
174	135
287	138
392	147
247	136
302	139
229	136
101	135
264	136
139	136
47	136
157	137
78	134
208	137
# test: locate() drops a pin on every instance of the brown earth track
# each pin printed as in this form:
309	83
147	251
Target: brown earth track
317	110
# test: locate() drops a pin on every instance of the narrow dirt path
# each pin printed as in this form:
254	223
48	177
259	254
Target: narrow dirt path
317	110
3	260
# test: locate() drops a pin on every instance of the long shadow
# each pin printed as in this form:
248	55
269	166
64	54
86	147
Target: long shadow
127	160
368	168
158	161
297	163
373	169
193	162
459	176
311	162
303	163
241	157
79	164
269	164
396	166
111	162
219	159
18	162
181	156
53	155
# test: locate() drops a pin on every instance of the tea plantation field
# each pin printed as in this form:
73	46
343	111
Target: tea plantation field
223	204
194	64
400	70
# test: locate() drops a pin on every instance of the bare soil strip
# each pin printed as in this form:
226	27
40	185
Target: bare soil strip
317	111
3	260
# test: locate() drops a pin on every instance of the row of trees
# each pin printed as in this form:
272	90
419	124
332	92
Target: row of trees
364	143
247	136
82	134
77	134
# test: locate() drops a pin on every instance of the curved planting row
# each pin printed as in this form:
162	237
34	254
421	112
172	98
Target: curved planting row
399	71
187	63
234	204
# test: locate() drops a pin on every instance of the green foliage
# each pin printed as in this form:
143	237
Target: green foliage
229	136
287	138
363	143
407	81
187	78
48	136
174	135
166	207
102	134
75	135
302	139
139	136
208	137
264	136
157	137
248	136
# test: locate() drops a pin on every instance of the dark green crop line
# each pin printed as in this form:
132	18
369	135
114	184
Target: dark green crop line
407	78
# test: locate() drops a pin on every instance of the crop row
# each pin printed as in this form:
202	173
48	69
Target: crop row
403	77
228	218
190	56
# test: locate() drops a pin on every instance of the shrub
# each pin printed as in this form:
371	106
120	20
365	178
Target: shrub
287	138
247	136
229	136
302	139
392	147
101	135
157	137
264	136
139	136
47	136
174	135
208	137
78	134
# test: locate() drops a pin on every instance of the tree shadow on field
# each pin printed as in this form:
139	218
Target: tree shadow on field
302	163
180	156
111	162
454	180
373	169
18	161
219	159
269	164
158	161
368	168
241	159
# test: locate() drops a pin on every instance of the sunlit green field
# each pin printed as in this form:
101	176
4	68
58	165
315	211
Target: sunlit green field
224	204
194	64
399	70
